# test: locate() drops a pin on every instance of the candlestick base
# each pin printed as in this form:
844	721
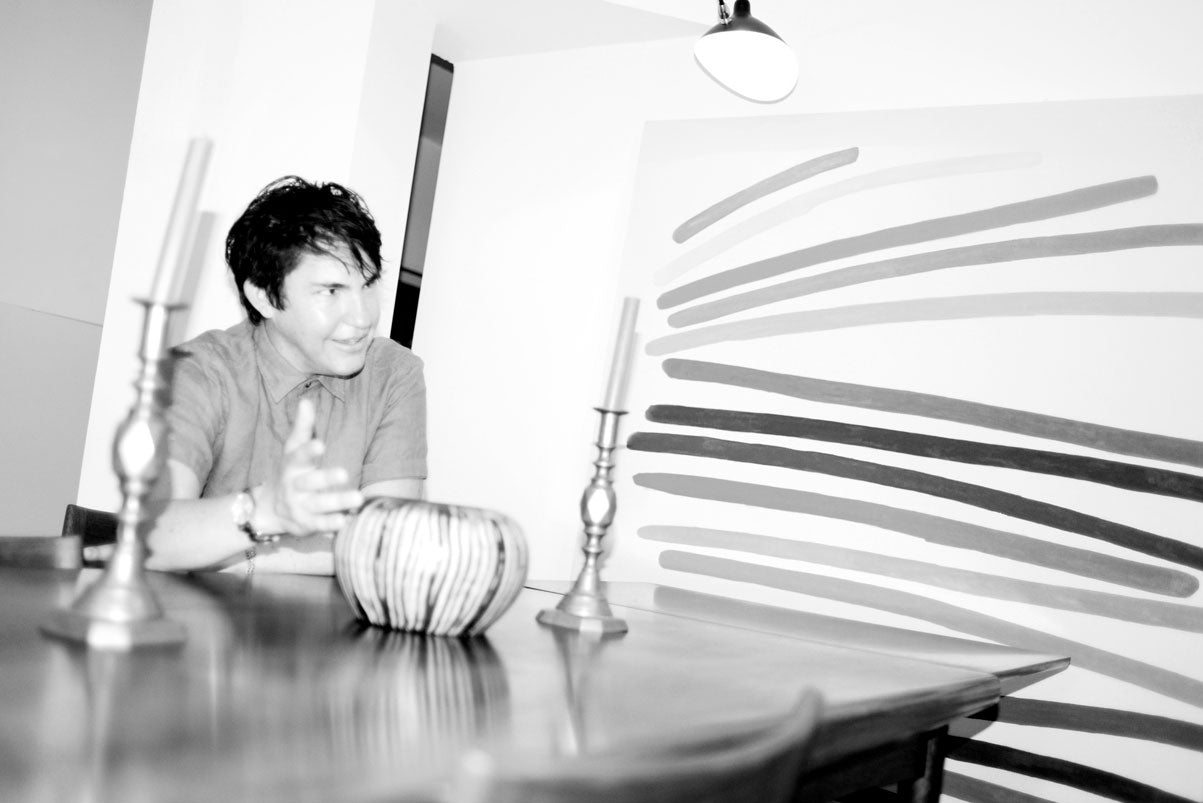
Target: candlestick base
584	613
83	628
553	617
584	608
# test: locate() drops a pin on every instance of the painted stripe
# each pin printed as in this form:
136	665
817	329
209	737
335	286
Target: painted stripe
1146	676
975	790
1008	504
801	205
1093	719
950	308
1044	208
1089	469
933	529
1004	419
1078	776
786	178
1062	245
1115	606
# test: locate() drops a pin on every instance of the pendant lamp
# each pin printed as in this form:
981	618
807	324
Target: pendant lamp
746	56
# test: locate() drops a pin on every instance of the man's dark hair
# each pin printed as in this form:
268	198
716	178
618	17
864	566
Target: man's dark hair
292	217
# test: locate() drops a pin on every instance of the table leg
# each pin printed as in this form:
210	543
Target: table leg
885	774
927	787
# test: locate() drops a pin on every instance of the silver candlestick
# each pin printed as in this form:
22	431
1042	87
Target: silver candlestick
119	610
585	607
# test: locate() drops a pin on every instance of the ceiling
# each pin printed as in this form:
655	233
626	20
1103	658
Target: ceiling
483	29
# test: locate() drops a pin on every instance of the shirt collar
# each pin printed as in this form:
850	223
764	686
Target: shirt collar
278	374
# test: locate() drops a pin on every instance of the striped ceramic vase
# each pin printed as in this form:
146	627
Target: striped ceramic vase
423	567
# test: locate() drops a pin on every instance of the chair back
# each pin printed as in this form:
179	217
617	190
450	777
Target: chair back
91	527
764	766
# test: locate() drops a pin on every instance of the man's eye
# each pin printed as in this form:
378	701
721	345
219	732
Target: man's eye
330	291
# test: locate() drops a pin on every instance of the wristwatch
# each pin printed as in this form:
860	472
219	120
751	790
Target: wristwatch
244	516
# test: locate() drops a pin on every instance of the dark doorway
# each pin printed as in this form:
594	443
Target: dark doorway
421	199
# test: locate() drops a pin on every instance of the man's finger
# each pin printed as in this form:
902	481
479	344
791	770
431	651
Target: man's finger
329	523
304	456
337	502
302	425
320	479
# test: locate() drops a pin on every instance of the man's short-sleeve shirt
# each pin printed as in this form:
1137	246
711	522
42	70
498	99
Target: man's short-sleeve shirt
234	399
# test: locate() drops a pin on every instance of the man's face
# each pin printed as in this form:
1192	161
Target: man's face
329	316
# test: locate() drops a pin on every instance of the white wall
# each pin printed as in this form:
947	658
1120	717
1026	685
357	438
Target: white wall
69	76
329	92
520	296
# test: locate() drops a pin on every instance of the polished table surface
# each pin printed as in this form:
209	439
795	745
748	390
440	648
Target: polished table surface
1014	667
279	693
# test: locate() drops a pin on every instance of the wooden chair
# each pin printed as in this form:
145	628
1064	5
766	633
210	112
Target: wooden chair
92	527
760	767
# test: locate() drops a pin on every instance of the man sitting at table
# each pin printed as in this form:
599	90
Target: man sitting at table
283	424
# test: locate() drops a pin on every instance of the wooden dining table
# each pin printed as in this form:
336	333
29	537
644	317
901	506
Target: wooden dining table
279	693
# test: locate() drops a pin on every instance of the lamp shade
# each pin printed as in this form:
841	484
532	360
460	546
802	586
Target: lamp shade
747	57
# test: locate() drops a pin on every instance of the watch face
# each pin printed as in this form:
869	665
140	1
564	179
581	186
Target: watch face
244	509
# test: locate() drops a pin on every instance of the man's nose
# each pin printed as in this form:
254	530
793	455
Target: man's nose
363	308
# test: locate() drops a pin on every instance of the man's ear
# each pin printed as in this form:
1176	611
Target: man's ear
258	298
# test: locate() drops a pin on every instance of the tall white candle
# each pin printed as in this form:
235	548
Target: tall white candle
170	272
620	365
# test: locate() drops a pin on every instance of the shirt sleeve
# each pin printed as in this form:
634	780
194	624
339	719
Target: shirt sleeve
398	447
194	415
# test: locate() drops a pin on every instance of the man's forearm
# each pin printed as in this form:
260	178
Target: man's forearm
195	534
198	534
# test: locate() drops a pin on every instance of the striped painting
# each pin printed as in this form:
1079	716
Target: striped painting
940	369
